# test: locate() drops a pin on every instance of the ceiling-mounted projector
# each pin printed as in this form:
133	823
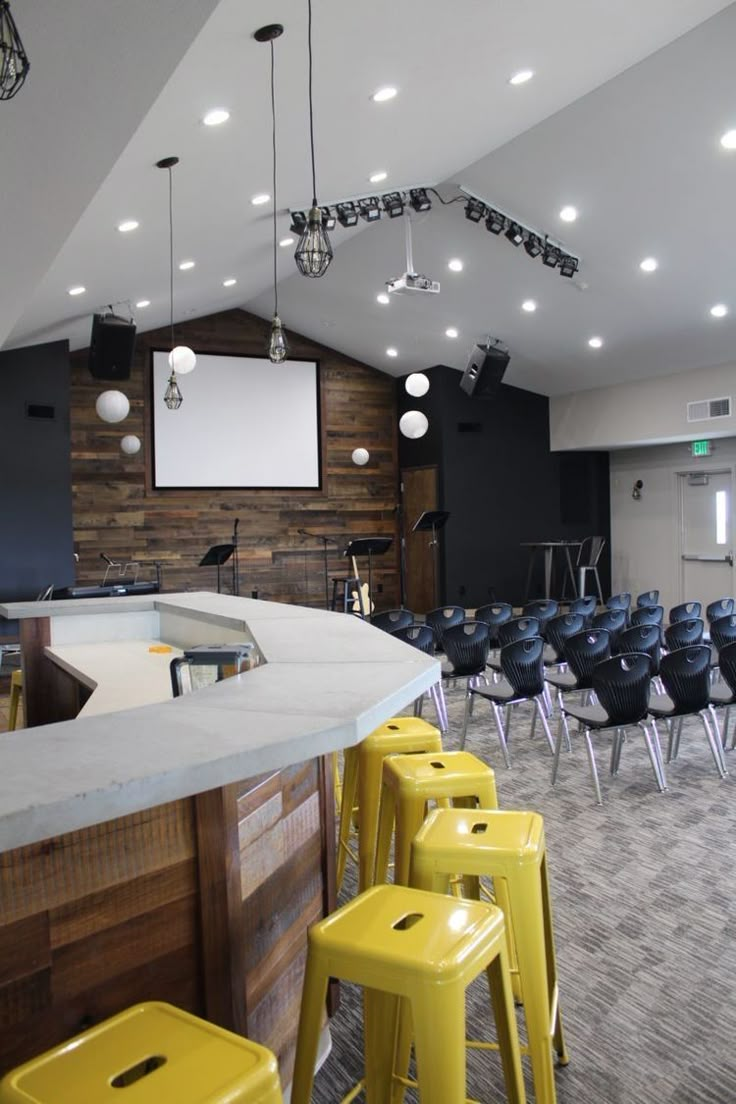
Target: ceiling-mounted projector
411	280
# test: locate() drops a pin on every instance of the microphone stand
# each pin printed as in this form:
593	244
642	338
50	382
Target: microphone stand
325	542
236	565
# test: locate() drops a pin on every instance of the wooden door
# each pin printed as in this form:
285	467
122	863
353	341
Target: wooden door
419	493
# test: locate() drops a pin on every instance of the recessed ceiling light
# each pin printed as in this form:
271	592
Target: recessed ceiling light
522	76
286	241
728	141
569	214
229	282
450	332
649	264
216	117
595	342
78	290
260	199
377	177
529	305
143	303
720	310
455	265
185	265
392	352
381	95
127	226
382	297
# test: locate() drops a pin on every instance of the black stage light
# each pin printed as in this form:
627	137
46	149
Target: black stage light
474	210
346	214
515	234
419	199
369	209
533	245
551	256
328	218
568	265
393	204
495	222
298	222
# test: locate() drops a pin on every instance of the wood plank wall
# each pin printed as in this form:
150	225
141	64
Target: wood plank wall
116	511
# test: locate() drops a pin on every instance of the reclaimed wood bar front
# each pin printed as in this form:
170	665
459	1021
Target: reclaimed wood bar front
177	850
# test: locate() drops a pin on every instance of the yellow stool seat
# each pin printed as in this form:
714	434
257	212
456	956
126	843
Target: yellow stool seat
16	691
416	952
508	846
151	1053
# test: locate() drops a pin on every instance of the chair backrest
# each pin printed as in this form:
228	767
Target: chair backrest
560	629
522	666
621	685
543	608
682	634
648	598
642	638
589	552
494	615
519	628
685	675
723	631
586	606
466	646
647	615
614	620
389	620
619	601
584	651
727	664
442	618
419	636
685	612
722	607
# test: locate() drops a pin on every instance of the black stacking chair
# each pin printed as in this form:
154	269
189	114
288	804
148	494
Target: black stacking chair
647	615
466	648
586	606
621	686
685	676
642	638
559	630
722	607
722	632
422	638
589	554
683	634
685	612
544	610
390	620
494	615
648	598
583	652
724	692
619	602
522	680
441	619
518	628
615	621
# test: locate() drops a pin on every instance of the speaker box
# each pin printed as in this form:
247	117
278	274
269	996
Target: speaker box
484	371
111	347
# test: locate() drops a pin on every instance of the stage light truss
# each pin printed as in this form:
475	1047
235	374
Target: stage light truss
535	243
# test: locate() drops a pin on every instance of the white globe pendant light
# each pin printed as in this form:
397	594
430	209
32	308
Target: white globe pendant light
413	424
416	385
361	456
130	444
112	406
182	360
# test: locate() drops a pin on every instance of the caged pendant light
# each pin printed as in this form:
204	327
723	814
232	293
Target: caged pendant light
313	252
14	63
278	349
181	357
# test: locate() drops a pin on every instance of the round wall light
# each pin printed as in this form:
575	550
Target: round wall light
413	424
361	456
130	444
182	360
417	385
112	406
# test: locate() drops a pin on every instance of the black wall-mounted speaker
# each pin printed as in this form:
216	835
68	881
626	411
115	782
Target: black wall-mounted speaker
111	347
484	371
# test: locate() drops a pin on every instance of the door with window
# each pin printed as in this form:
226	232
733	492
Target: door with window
706	539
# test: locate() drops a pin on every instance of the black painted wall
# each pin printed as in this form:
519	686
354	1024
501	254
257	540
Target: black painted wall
36	546
502	485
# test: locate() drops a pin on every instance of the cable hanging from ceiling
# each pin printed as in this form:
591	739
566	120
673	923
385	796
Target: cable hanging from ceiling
181	358
313	253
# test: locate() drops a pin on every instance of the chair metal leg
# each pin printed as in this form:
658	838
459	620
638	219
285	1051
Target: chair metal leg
539	702
466	717
438	699
725	725
593	767
657	765
563	718
501	733
714	743
558	747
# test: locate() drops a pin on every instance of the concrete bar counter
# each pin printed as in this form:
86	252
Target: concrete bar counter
176	849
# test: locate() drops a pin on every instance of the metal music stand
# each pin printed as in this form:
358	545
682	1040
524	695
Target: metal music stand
370	547
216	556
432	521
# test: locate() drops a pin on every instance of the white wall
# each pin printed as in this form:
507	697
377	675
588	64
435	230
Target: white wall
645	540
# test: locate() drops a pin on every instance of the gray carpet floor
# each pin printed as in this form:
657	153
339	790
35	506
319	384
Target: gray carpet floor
644	895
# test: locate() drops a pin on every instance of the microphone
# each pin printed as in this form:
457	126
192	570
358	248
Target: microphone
235	526
111	563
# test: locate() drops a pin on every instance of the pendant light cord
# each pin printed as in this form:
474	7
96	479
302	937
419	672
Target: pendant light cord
311	109
273	143
171	257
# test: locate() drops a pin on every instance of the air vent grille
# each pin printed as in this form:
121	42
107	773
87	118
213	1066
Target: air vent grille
705	409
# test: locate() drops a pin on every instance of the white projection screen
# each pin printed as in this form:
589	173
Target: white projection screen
244	422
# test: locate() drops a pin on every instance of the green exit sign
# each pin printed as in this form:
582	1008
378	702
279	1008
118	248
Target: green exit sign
700	448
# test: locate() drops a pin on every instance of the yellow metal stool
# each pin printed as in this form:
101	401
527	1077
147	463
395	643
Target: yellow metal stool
415	951
157	1054
16	690
362	774
509	847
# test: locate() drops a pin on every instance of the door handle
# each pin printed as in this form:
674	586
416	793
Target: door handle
728	558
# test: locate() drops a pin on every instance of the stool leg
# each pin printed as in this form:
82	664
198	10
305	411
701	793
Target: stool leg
439	1013
410	814
557	1035
349	785
13	710
508	1037
380	1017
369	799
314	994
386	817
